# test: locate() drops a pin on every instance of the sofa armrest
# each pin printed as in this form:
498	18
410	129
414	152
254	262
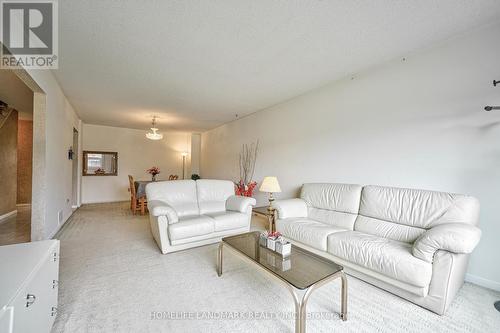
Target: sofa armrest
239	203
452	237
290	208
161	208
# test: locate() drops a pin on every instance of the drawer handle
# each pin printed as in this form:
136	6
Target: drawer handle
30	299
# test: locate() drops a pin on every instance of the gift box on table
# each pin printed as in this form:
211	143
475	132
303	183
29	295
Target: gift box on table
283	248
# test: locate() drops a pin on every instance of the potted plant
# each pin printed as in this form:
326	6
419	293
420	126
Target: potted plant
153	171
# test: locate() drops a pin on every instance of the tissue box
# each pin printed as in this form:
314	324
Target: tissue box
271	243
263	240
284	249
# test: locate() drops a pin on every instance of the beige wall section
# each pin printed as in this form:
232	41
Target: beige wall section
39	198
8	164
135	155
24	160
416	123
195	154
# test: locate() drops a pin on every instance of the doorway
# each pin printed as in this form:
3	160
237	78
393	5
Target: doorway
38	177
75	161
16	157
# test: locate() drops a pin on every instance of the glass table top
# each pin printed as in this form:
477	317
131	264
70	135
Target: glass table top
261	210
301	268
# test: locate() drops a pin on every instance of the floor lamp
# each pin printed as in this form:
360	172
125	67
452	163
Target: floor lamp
184	154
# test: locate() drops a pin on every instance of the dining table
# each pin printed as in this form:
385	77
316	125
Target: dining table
140	187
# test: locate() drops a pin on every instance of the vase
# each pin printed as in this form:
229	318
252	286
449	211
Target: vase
153	178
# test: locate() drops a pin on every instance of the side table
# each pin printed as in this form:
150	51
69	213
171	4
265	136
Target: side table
269	213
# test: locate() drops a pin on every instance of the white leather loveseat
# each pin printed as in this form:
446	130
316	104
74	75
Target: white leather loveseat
413	243
188	213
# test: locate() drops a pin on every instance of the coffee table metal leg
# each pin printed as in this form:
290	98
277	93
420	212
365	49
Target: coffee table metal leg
219	259
343	311
301	302
298	310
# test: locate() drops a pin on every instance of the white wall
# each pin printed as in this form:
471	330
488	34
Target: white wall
60	119
195	154
416	123
136	154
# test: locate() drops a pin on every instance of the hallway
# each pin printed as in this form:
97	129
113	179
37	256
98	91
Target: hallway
17	229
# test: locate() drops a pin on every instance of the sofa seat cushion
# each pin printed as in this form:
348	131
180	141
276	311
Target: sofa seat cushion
229	220
385	256
307	231
191	226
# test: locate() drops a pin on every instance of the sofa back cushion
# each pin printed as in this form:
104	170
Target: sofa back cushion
334	204
180	194
212	194
404	214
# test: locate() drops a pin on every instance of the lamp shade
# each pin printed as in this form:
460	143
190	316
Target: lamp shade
270	185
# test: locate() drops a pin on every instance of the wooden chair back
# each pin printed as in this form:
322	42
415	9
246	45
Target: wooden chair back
173	177
136	204
132	186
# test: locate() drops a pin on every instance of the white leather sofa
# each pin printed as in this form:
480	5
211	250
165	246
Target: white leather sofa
412	243
188	213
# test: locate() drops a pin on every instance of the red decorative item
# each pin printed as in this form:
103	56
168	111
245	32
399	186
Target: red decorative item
274	234
245	190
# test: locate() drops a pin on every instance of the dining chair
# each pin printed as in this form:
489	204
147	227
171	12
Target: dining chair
136	204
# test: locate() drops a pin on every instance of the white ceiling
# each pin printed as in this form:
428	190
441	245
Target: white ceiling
197	63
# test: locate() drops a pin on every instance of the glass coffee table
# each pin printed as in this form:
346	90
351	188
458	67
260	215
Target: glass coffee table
302	272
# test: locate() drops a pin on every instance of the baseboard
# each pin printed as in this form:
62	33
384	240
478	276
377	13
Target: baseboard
482	282
60	226
8	215
103	202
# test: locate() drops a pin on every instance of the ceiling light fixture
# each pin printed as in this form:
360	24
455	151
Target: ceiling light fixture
153	135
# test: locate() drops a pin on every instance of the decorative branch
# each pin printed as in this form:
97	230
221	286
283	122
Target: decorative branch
248	157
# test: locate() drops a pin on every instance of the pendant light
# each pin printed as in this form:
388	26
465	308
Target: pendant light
153	135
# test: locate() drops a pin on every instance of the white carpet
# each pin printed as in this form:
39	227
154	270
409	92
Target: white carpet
114	279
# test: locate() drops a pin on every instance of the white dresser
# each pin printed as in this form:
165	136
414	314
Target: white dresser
29	274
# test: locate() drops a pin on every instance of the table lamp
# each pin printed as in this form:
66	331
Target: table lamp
270	185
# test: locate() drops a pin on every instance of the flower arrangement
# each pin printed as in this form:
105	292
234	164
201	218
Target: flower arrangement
245	190
153	171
